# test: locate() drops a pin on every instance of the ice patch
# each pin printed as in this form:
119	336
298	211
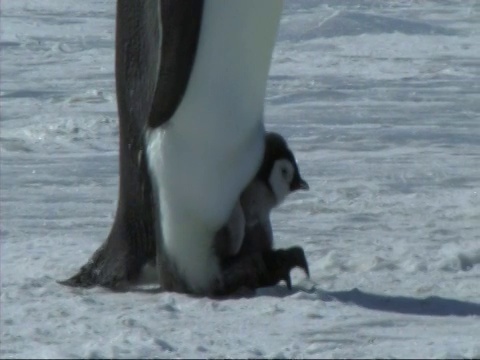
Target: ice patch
346	23
455	259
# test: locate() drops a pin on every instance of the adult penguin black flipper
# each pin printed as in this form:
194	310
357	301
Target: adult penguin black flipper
147	95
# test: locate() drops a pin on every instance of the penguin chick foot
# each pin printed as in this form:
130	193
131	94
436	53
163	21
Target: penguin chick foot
260	269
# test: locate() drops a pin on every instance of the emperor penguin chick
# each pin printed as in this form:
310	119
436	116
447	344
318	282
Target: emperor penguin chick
249	230
278	176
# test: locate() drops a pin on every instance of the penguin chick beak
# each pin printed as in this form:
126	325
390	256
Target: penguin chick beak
299	185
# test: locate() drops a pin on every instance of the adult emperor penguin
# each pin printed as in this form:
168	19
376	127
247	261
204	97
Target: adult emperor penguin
190	81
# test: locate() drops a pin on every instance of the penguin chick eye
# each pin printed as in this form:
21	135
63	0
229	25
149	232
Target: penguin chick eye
284	172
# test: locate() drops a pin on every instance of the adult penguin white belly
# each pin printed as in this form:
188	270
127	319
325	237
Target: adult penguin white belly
191	133
211	147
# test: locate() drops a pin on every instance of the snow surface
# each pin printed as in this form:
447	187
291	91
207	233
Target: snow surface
380	101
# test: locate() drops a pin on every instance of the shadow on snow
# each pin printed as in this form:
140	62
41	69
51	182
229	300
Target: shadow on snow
429	306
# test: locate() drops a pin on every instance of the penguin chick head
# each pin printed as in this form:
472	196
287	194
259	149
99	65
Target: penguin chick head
279	169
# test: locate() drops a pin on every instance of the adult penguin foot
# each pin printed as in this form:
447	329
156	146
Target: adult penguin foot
110	267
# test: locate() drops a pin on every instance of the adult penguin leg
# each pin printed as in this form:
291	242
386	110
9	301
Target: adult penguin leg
131	242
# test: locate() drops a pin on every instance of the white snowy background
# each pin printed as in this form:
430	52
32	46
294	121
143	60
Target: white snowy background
380	101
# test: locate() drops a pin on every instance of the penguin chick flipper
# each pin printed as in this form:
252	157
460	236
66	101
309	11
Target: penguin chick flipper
261	269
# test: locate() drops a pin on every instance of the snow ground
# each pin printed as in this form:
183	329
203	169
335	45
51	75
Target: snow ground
380	101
